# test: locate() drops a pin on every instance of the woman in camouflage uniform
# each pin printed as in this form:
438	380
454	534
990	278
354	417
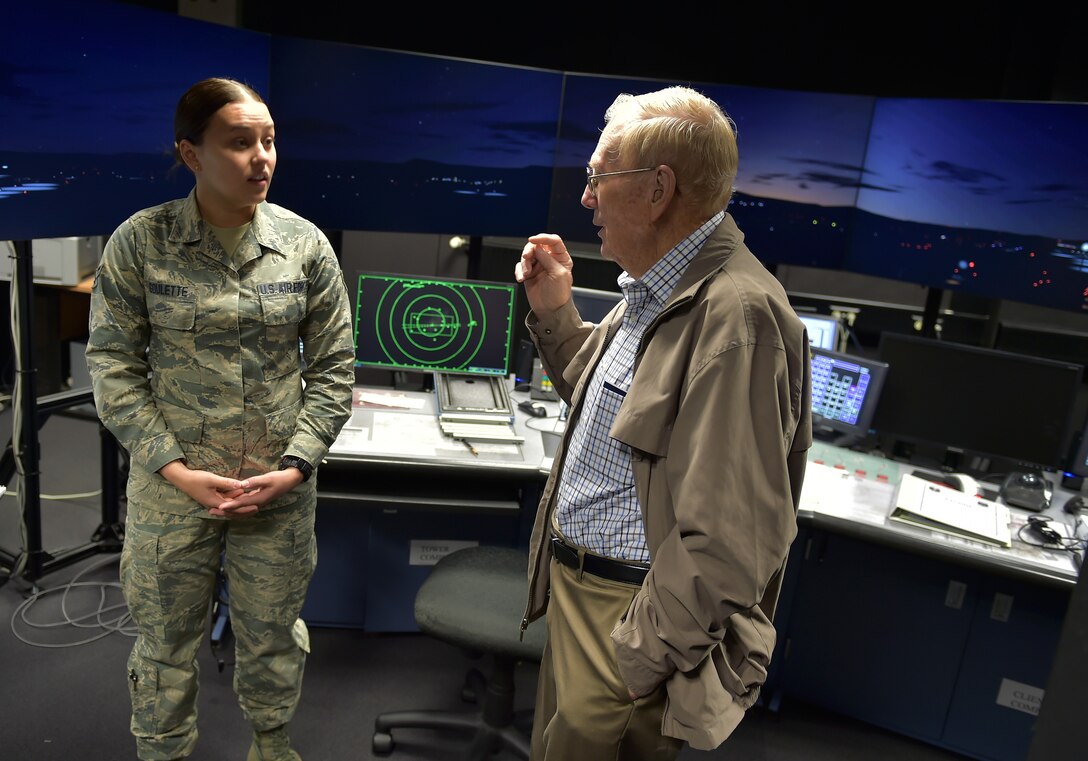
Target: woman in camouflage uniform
197	313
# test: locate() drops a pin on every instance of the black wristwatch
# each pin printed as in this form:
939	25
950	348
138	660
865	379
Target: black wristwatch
305	468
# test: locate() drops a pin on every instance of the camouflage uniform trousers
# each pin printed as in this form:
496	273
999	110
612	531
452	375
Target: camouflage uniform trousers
168	574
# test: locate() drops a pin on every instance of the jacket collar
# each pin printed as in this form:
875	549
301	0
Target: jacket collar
713	256
187	224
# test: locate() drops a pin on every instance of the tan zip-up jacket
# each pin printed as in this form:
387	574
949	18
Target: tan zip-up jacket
718	421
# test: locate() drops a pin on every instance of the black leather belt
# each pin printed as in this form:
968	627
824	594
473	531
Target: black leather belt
606	568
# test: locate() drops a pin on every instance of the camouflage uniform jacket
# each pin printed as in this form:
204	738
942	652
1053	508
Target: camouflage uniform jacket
194	354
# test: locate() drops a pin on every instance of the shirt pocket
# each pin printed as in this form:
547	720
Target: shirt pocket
281	314
172	351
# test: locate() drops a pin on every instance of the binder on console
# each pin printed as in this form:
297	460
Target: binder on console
941	508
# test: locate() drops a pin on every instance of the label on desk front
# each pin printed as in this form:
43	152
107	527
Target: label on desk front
1020	697
430	551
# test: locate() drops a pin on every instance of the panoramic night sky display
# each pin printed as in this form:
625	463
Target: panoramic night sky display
340	102
986	197
379	140
794	146
981	196
800	164
1014	167
105	78
88	107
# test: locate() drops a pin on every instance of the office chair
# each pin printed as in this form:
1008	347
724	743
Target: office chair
474	598
221	635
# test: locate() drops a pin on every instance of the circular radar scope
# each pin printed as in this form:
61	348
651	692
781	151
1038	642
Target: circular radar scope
431	325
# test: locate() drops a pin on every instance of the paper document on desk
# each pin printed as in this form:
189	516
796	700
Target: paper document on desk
837	492
941	508
388	400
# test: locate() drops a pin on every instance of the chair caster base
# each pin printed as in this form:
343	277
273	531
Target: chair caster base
382	744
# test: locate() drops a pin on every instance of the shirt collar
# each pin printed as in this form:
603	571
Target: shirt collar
662	277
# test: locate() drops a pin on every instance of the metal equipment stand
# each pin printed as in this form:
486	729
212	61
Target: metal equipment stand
109	535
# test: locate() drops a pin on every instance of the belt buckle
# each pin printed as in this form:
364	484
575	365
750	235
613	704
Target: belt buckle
565	554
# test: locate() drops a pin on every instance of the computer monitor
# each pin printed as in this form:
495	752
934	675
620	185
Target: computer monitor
594	305
980	401
823	330
431	324
845	392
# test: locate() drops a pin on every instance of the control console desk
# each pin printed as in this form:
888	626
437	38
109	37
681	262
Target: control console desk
395	494
945	639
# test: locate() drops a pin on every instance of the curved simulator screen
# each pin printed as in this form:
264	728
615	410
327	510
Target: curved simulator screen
428	324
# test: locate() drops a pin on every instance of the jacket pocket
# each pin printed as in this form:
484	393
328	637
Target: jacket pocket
186	425
172	349
175	314
707	704
282	313
645	422
281	423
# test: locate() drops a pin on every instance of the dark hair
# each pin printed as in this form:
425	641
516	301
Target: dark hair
199	104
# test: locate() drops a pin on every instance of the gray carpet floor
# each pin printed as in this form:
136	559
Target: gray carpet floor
64	645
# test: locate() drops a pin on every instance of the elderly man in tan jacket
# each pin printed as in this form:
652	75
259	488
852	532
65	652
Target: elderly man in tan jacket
661	538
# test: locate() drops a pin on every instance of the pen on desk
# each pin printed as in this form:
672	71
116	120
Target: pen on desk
470	447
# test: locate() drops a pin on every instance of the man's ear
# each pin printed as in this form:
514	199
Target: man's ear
664	191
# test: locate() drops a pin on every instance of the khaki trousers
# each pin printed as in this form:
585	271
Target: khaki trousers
583	709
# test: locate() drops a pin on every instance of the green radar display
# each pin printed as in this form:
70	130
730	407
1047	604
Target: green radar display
405	322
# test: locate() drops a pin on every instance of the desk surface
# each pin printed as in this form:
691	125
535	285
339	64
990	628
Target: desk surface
389	426
400	428
851	503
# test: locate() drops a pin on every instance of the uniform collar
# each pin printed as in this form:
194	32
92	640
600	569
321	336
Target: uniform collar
189	226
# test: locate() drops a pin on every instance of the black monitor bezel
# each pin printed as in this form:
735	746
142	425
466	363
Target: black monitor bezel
1079	465
836	328
583	297
456	283
968	445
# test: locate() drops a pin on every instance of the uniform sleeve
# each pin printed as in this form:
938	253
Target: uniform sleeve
117	353
728	470
329	351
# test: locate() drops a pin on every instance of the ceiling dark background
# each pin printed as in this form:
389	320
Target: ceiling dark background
926	50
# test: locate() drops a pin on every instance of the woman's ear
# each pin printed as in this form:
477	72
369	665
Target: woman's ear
188	155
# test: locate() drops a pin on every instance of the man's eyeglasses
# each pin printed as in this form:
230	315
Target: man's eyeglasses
592	177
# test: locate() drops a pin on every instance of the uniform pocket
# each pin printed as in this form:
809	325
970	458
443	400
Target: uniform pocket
270	569
141	589
172	349
175	314
281	423
143	686
282	313
166	575
186	425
